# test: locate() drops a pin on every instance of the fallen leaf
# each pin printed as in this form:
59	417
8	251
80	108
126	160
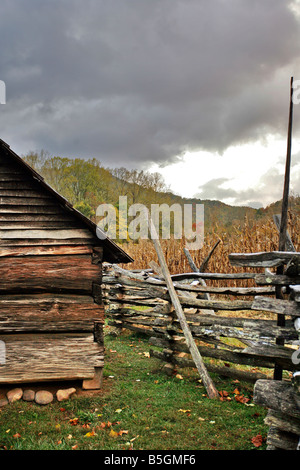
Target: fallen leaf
184	411
118	410
242	399
74	421
113	433
257	440
75	447
90	434
178	376
17	435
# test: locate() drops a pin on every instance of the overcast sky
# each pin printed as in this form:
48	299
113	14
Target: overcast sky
196	89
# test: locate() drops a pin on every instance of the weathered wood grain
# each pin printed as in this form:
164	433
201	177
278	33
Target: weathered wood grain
282	422
48	274
284	307
44	312
278	396
276	280
199	289
30	234
48	357
52	250
262	259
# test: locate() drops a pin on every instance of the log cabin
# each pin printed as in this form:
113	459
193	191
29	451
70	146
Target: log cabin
51	312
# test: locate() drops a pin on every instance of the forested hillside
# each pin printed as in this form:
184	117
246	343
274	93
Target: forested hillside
87	184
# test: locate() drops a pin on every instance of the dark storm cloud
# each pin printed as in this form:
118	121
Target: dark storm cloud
134	81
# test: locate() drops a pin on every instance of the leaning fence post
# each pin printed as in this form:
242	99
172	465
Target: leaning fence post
206	379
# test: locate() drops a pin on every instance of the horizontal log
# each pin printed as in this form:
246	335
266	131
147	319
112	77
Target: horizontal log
112	312
186	302
22	194
224	371
181	277
277	395
238	327
40	217
17	209
212	276
137	329
281	439
30	201
283	422
45	234
127	281
262	259
48	357
35	224
51	250
276	280
47	242
208	320
24	313
49	274
235	357
19	185
284	307
279	354
267	331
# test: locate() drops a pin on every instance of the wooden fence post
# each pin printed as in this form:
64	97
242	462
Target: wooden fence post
208	383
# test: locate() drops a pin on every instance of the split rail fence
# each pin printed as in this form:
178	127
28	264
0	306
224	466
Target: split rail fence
219	320
139	301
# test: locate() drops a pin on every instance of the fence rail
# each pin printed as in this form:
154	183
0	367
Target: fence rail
221	325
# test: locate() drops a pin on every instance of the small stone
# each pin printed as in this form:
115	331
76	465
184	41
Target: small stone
65	394
28	395
14	395
43	397
3	402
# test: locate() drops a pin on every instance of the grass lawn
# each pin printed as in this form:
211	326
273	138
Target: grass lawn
139	408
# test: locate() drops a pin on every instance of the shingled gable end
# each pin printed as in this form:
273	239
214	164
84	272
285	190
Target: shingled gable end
51	313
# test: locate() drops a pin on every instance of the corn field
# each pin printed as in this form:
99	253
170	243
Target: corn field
249	237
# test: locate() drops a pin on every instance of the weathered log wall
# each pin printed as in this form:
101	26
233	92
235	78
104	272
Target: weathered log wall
51	312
